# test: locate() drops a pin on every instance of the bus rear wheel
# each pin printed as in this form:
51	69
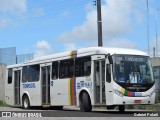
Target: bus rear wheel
86	103
26	103
57	107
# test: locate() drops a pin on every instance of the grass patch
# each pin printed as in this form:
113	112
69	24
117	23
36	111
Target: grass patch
3	104
157	96
154	107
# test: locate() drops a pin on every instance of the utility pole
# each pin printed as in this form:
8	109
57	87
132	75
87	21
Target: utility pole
99	22
156	33
148	27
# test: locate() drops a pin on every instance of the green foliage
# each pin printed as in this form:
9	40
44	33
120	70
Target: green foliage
155	107
2	104
158	97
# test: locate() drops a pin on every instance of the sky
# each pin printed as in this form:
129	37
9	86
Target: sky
52	26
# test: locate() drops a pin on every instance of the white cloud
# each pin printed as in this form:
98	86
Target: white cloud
116	20
4	22
42	48
69	46
65	13
38	12
124	43
13	6
117	42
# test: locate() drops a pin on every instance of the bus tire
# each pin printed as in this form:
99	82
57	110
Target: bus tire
121	108
57	107
86	102
25	102
81	108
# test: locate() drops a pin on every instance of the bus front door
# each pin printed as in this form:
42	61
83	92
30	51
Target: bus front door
17	77
109	85
45	77
99	75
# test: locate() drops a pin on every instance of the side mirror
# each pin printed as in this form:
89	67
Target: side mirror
110	59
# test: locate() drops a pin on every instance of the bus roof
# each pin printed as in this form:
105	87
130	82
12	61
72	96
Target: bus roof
85	51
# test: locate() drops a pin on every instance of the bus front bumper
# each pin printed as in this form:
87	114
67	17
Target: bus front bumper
119	100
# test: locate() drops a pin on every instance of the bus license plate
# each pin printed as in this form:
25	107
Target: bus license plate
137	101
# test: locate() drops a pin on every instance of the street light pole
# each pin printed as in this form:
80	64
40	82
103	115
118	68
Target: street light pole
99	22
148	27
156	33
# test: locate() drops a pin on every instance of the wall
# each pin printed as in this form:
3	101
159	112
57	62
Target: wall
2	81
156	69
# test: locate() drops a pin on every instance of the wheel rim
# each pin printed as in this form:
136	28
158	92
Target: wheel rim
25	103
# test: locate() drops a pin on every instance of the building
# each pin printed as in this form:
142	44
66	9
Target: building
8	57
2	81
156	70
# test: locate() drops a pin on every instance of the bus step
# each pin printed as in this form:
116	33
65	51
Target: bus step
100	105
45	106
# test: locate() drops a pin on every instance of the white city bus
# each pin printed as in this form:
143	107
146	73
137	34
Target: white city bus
87	77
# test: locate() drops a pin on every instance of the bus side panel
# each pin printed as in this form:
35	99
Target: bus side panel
59	92
84	83
33	89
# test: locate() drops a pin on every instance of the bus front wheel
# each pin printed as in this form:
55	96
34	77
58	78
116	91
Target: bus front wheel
86	103
26	103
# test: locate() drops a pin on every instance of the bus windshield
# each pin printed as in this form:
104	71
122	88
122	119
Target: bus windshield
133	70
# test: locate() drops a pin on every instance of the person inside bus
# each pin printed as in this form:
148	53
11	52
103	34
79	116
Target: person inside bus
24	78
88	71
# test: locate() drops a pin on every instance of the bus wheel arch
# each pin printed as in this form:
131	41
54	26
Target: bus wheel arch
85	101
25	101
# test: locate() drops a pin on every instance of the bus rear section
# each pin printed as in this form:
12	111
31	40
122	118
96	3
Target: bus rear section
22	86
12	86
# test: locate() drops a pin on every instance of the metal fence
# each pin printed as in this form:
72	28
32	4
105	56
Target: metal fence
24	57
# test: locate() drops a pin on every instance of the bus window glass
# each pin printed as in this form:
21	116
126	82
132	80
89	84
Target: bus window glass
83	66
134	73
66	69
9	76
133	69
55	70
33	73
108	73
24	74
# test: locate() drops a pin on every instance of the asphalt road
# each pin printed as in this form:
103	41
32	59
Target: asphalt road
73	112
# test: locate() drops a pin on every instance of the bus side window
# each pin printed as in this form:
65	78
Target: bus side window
66	68
108	73
33	73
83	66
55	70
9	76
24	74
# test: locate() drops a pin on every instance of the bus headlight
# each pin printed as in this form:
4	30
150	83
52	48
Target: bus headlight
152	94
118	93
